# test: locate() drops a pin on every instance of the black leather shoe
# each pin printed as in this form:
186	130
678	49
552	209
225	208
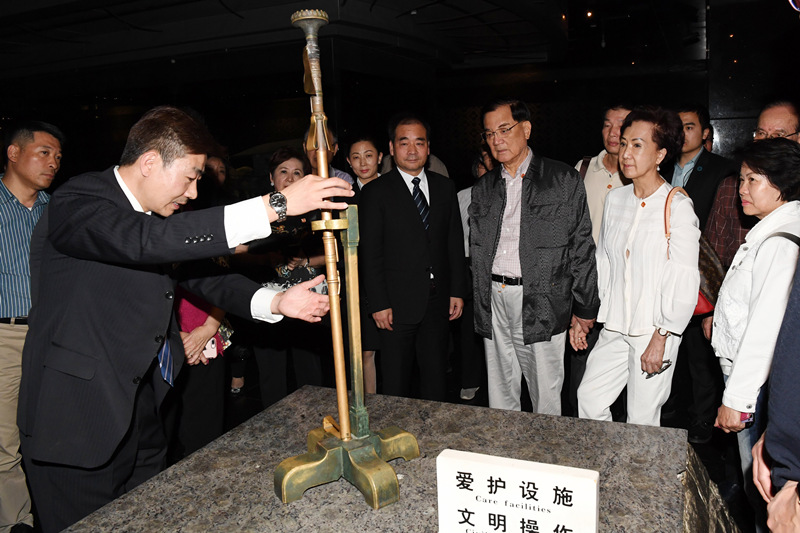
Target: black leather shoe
700	433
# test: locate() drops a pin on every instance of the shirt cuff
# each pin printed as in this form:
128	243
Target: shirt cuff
739	402
261	306
246	221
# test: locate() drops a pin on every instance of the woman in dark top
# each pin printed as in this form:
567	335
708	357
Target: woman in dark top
290	255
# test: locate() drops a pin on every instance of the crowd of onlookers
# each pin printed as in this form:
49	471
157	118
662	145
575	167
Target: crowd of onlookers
591	283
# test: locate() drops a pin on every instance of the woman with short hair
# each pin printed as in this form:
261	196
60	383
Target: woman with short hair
754	294
648	285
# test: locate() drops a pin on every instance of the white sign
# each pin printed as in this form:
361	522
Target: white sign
487	494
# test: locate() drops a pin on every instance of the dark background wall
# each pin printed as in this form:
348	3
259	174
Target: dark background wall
742	55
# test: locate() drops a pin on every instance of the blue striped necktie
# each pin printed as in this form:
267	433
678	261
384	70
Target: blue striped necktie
165	362
421	203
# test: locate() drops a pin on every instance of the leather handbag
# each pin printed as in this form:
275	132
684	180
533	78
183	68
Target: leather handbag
711	270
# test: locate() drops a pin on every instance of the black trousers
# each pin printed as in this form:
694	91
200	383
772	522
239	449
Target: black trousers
424	344
577	367
704	372
64	494
197	412
469	343
290	354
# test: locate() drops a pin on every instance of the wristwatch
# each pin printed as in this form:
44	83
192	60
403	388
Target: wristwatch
277	201
663	332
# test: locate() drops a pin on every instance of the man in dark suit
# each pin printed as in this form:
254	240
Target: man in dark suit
103	344
699	172
776	455
412	262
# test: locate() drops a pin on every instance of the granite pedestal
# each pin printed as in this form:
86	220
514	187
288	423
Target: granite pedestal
645	483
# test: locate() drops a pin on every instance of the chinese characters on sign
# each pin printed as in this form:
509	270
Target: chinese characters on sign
483	494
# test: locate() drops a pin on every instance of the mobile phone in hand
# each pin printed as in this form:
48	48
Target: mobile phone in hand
665	365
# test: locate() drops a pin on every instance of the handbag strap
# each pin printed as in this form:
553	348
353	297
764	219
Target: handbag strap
668	210
585	166
786	235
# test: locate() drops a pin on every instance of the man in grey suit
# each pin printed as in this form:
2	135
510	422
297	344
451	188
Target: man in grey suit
532	259
103	345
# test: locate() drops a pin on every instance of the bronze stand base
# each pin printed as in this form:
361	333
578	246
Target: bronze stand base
360	456
362	462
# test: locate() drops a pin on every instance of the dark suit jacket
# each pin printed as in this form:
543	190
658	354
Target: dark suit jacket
397	254
703	181
102	297
783	431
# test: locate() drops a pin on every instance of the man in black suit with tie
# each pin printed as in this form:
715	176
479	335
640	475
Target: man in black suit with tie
103	345
699	172
412	262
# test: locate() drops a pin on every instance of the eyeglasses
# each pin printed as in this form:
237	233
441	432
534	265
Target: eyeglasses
760	134
487	136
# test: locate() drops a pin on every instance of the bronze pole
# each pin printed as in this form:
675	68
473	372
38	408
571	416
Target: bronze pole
310	20
361	460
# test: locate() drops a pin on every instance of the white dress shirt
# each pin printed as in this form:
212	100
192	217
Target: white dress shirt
464	199
506	258
423	184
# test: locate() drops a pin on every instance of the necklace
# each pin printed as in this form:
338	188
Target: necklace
645	196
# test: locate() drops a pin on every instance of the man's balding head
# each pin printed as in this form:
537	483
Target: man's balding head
778	119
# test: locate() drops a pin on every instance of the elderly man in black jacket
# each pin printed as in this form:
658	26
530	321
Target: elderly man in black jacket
533	261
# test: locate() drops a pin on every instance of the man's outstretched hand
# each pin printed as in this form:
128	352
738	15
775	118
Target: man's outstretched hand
312	192
301	302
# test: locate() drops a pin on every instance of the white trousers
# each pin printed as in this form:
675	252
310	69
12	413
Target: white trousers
508	358
616	362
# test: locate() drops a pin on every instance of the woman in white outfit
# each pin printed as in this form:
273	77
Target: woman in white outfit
648	290
755	292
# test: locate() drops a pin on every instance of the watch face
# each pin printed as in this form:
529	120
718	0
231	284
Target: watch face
277	200
278	203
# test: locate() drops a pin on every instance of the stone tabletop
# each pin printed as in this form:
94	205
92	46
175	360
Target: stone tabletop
228	485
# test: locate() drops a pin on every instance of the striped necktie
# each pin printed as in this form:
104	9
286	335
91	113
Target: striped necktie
421	203
165	362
